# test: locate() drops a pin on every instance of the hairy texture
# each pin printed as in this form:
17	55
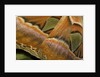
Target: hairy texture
56	50
29	35
56	45
65	27
62	29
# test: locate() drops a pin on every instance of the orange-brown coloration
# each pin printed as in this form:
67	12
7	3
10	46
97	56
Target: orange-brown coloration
40	20
54	45
56	50
77	20
29	35
77	28
62	29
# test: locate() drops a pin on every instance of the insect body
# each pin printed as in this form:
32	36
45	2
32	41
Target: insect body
53	46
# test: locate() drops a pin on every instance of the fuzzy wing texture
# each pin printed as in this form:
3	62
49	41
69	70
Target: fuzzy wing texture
50	37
